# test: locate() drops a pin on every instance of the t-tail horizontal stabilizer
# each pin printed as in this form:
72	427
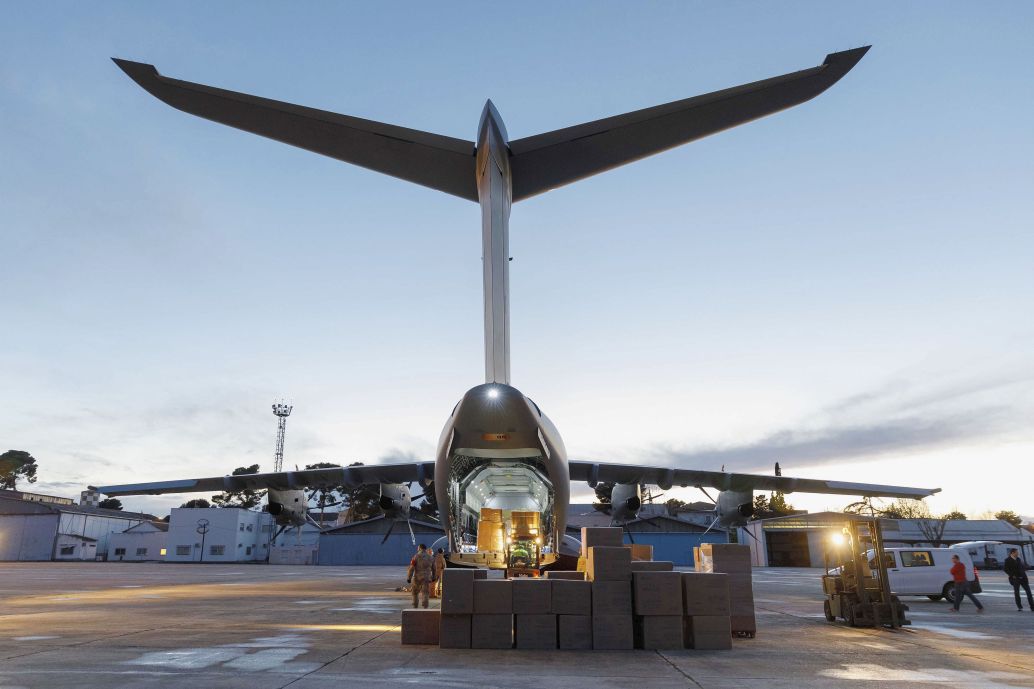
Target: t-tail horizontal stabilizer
538	163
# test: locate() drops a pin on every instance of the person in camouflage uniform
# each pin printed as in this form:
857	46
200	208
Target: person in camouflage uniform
421	574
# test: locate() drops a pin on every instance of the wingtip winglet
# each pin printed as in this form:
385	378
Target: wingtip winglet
136	70
846	59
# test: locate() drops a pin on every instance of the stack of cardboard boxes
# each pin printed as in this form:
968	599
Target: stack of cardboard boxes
491	533
734	561
620	602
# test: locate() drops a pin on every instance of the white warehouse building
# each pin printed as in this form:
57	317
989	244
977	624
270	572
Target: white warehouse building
141	543
230	534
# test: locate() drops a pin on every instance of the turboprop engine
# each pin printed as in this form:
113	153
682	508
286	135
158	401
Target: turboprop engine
733	508
625	502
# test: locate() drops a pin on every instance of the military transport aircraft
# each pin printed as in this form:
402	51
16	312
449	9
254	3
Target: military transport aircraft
498	453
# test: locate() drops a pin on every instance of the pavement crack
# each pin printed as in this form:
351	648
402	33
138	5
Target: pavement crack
692	682
334	660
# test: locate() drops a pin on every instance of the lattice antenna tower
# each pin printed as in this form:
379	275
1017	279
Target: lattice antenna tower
282	411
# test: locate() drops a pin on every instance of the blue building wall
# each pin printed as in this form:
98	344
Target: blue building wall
675	546
366	549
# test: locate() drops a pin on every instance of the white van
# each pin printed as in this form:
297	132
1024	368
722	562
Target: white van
925	571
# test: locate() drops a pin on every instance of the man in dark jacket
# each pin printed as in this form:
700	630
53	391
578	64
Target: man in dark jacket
1018	577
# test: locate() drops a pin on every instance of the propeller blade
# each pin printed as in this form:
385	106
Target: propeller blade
412	536
417	497
630	539
747	531
704	491
712	526
390	529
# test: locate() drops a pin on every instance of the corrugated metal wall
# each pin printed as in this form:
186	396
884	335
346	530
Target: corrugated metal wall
27	537
366	549
677	547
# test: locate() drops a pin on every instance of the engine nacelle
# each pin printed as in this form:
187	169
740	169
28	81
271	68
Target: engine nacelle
288	507
734	508
395	499
625	502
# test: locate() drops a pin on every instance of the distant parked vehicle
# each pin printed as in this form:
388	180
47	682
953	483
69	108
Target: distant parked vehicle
925	571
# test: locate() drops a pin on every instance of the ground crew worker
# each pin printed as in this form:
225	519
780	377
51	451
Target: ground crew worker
958	574
1017	577
439	567
420	574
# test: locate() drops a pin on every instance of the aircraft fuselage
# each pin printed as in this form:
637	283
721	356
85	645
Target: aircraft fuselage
498	450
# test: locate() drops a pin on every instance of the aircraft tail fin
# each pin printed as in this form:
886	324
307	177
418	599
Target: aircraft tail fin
546	161
432	160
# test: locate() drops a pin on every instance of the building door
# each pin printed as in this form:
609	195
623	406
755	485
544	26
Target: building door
788	549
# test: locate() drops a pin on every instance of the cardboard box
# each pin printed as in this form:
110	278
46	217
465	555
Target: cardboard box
652	566
612	632
491	631
711	642
708	632
601	535
532	596
454	631
607	563
535	631
728	558
705	594
490	514
574	632
612	598
571	576
479	574
743	624
421	626
571	597
491	536
657	593
524	524
658	632
640	552
458	591
696	559
493	596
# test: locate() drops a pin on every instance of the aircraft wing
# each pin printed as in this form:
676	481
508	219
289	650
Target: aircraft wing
350	477
666	477
556	158
435	161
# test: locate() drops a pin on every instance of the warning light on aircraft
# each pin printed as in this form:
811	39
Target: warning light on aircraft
493	393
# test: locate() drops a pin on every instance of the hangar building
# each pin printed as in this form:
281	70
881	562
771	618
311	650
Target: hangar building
798	540
36	527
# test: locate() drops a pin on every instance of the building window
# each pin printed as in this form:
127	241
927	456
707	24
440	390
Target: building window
916	558
242	527
141	551
248	550
162	552
68	550
119	552
217	550
183	550
249	527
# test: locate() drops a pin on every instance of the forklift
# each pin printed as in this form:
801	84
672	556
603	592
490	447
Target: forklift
857	588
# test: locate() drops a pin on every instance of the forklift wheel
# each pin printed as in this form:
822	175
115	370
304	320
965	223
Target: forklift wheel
849	615
828	611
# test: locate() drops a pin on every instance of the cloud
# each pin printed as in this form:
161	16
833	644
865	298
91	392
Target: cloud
797	447
898	417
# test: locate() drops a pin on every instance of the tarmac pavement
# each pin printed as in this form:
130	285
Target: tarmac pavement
124	625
